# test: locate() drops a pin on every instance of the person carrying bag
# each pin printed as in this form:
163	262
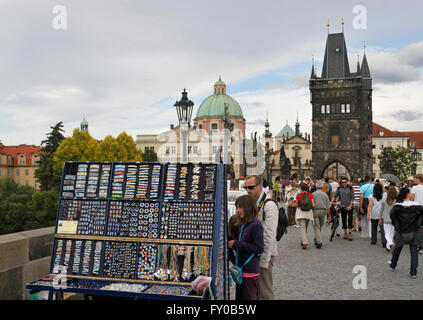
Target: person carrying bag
248	248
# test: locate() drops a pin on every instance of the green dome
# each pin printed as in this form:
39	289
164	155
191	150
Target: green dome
84	122
214	105
286	130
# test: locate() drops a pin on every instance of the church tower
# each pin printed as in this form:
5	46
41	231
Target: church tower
342	112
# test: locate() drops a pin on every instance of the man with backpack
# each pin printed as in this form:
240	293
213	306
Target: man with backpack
345	194
304	213
268	215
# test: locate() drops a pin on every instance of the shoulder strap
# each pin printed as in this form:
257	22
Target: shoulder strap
267	200
248	260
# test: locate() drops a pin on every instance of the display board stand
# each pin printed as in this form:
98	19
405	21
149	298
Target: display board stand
139	230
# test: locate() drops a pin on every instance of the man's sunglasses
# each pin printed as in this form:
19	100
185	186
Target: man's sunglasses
250	187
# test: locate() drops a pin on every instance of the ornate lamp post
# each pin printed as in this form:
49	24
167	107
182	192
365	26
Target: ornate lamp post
227	140
184	110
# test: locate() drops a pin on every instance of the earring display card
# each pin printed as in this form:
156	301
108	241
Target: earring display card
190	182
136	181
169	290
78	257
120	260
133	219
147	261
187	220
90	216
86	180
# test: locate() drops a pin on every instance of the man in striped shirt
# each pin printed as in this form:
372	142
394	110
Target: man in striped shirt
356	206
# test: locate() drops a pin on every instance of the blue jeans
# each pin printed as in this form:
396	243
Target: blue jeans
414	258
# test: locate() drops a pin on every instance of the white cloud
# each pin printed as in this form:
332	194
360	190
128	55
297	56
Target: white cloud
123	64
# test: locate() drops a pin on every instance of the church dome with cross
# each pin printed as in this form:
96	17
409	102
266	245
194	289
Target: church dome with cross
212	110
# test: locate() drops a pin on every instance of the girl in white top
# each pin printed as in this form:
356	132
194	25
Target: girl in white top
387	203
373	213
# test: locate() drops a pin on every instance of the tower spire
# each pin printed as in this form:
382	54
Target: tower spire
328	25
313	73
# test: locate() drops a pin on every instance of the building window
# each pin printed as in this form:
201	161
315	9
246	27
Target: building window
26	183
189	149
342	108
194	149
348	110
149	148
173	150
167	151
9	172
214	126
22	160
17	172
328	108
323	109
26	172
200	126
214	149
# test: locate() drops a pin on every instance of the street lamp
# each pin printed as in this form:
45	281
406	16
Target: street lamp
184	110
227	138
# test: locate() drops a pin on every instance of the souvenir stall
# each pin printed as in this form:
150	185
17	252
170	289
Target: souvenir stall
140	230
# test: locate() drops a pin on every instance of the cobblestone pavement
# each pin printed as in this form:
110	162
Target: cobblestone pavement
327	273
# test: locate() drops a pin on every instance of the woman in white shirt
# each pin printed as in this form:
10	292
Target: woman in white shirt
387	203
373	213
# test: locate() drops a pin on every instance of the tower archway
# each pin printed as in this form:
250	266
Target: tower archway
335	170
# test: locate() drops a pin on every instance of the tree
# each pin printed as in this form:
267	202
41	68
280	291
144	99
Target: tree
80	147
398	161
109	149
128	151
149	156
44	207
44	172
15	213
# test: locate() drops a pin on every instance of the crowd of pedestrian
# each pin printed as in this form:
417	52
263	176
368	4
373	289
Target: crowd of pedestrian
367	208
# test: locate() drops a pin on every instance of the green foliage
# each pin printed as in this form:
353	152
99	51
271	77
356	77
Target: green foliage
44	207
128	151
402	167
80	147
110	150
149	156
15	212
44	173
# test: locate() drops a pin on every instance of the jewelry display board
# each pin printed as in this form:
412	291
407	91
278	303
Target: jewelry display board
138	229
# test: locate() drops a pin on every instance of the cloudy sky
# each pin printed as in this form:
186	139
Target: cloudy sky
123	64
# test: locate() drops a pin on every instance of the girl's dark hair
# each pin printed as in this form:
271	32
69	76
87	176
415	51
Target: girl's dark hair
392	195
304	186
402	194
247	203
377	191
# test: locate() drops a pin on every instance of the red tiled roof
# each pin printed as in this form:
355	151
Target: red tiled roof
376	128
414	136
15	151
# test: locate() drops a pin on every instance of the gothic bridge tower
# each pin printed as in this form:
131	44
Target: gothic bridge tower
342	113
